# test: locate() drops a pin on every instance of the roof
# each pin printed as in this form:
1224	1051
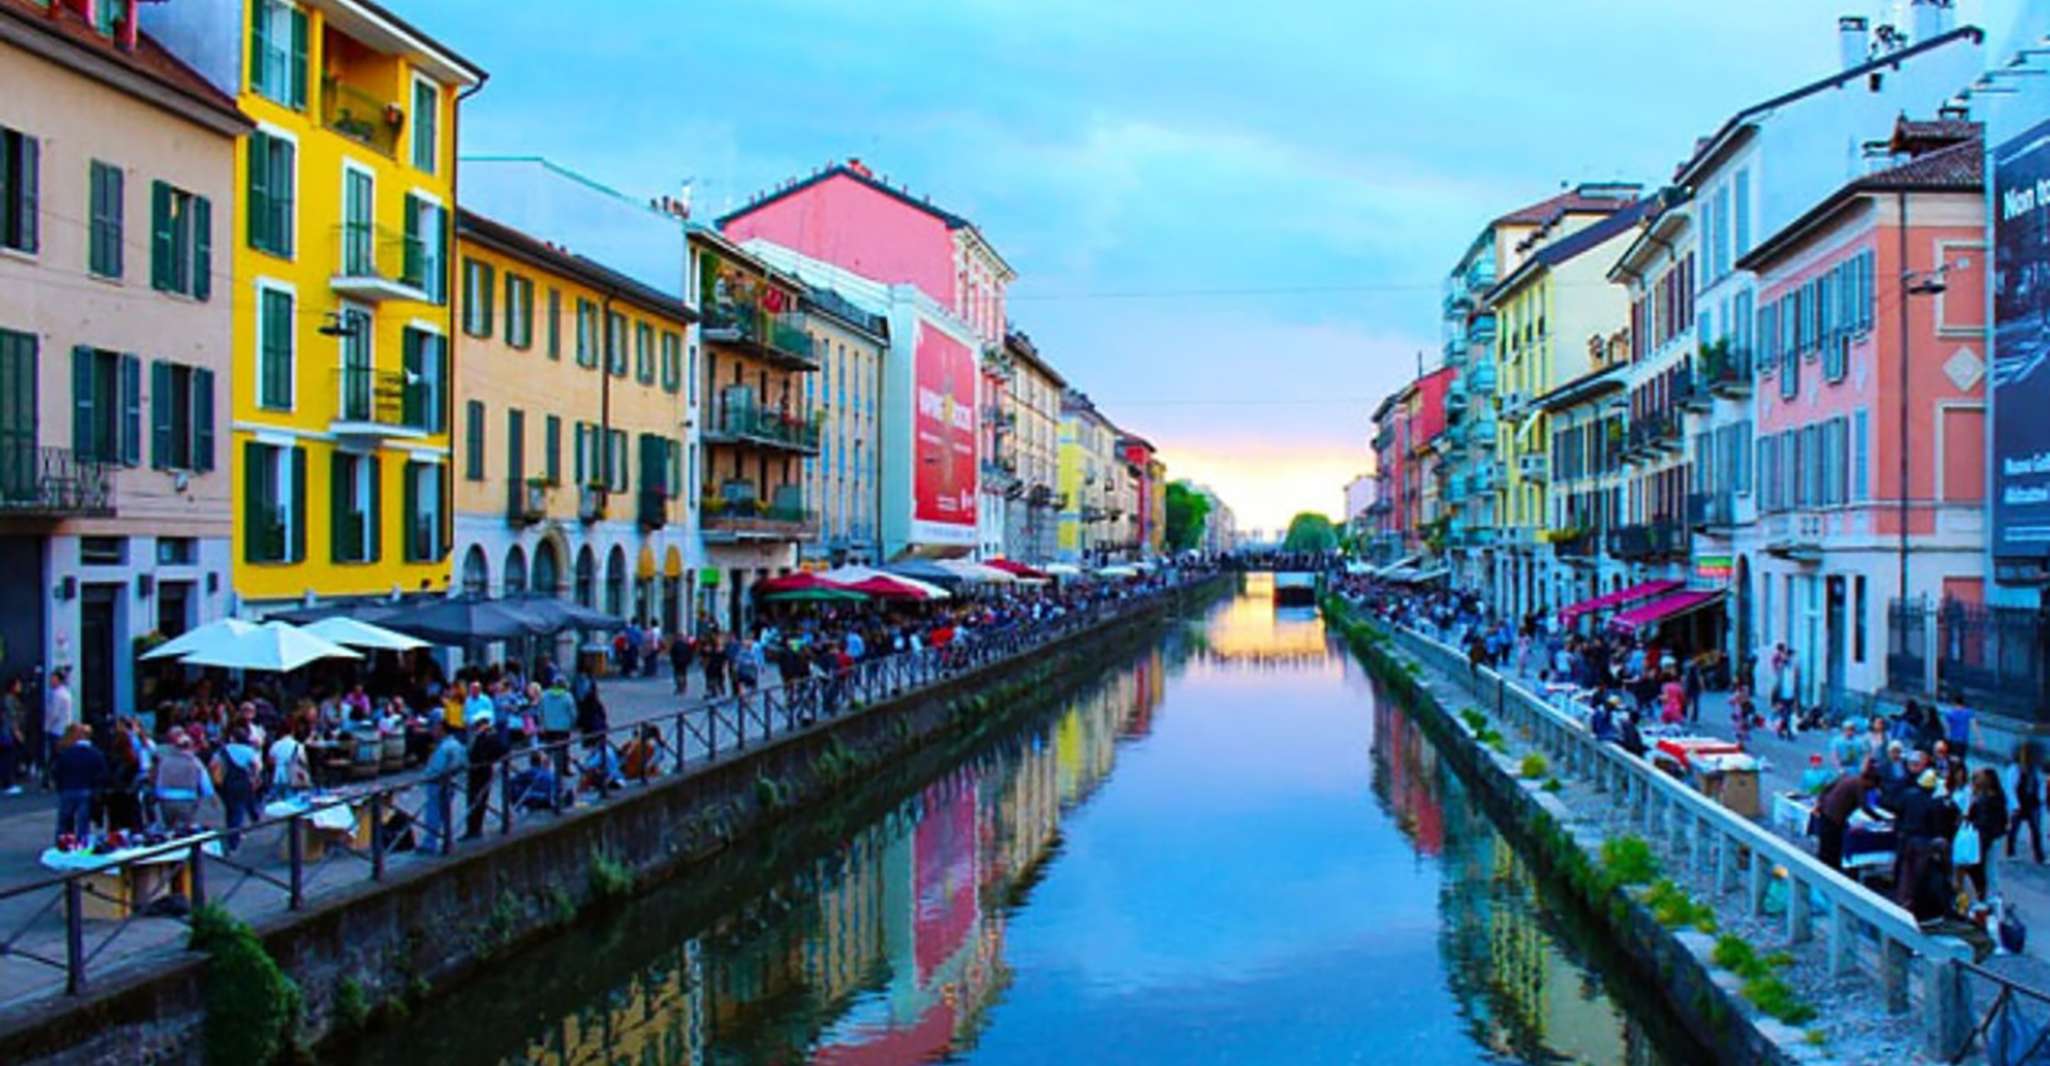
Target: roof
1959	167
1585	387
1662	226
856	173
1021	346
380	11
728	250
1708	148
830	304
150	72
1572	201
1586	239
476	227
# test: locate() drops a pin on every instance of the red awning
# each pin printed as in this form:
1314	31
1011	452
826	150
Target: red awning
885	587
802	581
1018	569
1665	607
1611	600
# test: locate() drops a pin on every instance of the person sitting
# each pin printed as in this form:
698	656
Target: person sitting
644	754
600	768
535	788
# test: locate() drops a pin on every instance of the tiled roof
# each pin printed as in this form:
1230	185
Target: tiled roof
149	58
1959	166
1915	137
1592	236
1570	201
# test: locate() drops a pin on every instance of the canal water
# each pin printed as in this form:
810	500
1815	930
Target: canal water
1233	848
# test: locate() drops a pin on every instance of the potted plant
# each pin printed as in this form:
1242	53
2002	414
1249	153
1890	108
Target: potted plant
394	115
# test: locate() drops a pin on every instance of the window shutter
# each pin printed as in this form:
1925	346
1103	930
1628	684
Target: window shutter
31	178
554	323
116	212
254	513
259	189
259	37
82	404
159	414
373	534
409	531
415	269
490	286
473	440
202	420
298	490
553	449
131	409
298	57
439	407
159	235
581	472
338	506
283	188
202	248
512	303
410	407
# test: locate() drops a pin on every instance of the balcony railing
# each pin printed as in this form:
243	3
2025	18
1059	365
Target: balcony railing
1649	540
373	402
526	502
736	422
1726	371
1574	542
53	483
781	338
363	117
376	263
1712	510
1482	329
1480	377
1534	467
724	519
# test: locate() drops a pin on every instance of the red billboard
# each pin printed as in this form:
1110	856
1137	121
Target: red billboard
943	485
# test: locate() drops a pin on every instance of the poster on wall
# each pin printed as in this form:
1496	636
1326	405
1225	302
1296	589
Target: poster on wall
943	487
2021	341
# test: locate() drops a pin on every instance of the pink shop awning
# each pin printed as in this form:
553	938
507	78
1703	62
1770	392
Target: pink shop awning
1611	600
1668	606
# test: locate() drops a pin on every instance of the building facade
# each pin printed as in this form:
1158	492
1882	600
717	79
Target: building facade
1088	481
116	331
1034	412
844	478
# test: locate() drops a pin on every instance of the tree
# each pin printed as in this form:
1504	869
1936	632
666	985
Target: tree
1309	531
1187	513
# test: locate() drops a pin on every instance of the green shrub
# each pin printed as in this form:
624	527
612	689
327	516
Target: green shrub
1534	765
1735	954
1494	740
610	877
1474	719
252	1008
1771	994
1672	907
1552	784
1628	860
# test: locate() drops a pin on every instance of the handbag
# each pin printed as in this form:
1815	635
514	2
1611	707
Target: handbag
1964	848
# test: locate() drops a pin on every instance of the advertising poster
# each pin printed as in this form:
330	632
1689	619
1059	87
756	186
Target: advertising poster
943	483
2021	339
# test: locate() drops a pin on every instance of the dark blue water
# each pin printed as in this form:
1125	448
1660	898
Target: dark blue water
1231	849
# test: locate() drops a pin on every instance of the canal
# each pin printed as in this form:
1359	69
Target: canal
1231	848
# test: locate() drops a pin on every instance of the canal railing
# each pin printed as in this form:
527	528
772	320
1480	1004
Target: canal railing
59	933
1863	931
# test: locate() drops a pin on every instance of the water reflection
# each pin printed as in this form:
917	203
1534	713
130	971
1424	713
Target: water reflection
1277	870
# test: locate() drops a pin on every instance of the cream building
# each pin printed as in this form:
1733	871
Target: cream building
1033	408
844	478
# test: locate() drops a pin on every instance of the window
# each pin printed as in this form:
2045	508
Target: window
277	52
355	485
615	460
644	353
551	445
1861	488
103	241
106	406
181	404
519	311
554	323
274	349
672	361
274	503
473	440
1742	211
273	181
422	528
1721	232
1858	610
1765	611
690	377
426	123
515	445
20	177
587	333
615	343
425	361
427	248
181	241
478	283
177	551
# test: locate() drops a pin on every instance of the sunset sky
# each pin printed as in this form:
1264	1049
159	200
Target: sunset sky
1230	230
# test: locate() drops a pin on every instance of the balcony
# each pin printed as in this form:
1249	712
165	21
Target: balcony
1458	301
1481	430
373	263
1482	329
1455	488
526	501
1647	541
1514	402
40	482
654	507
1712	510
736	513
737	419
1480	377
362	116
377	404
1796	537
781	339
1573	543
1480	275
1486	476
1726	371
591	500
1534	467
1691	395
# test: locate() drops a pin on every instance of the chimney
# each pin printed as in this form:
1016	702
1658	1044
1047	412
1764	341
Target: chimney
854	164
1929	19
1853	41
1955	111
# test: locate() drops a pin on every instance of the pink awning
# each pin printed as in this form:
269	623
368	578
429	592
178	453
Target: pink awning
1618	598
1664	607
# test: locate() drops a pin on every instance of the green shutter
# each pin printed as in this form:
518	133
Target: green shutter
473	440
259	41
298	57
82	403
298	553
131	409
410	411
582	474
31	178
444	394
409	531
553	449
489	283
283	188
515	444
159	414
414	273
116	217
202	248
338	506
554	323
373	537
202	420
160	272
255	515
259	190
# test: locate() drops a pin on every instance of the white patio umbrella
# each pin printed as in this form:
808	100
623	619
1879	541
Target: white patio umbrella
1119	570
355	633
976	573
275	647
855	575
1063	569
219	633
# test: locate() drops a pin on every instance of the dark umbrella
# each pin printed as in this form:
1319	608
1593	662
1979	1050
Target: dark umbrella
465	621
562	614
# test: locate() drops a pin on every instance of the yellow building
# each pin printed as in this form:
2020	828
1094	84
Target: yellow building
339	406
570	462
1088	479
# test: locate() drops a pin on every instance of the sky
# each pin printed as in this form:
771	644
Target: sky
1230	224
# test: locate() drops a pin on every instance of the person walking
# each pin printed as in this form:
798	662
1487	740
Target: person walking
1986	815
58	718
13	737
77	771
237	770
558	716
181	784
2024	789
682	652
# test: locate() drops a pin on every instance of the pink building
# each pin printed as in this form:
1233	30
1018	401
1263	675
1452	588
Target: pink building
1871	409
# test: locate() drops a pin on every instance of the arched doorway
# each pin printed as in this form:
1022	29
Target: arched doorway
587	578
515	571
547	569
615	582
476	573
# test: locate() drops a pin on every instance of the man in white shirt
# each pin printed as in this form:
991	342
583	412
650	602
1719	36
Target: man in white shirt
58	715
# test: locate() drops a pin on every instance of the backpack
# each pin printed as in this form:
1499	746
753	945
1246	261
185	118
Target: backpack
235	777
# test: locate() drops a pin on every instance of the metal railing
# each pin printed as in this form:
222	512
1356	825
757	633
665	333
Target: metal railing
781	334
1712	510
369	257
1993	658
65	926
53	482
1863	931
367	396
361	116
734	422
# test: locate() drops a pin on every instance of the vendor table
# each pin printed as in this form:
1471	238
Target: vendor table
343	825
122	882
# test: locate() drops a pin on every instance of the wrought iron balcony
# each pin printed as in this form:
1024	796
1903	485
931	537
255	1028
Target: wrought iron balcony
1574	543
1481	330
526	501
375	263
1647	541
729	520
1690	395
779	338
736	419
1726	371
1712	510
53	483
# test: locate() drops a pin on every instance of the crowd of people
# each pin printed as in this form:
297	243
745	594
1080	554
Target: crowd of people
1910	770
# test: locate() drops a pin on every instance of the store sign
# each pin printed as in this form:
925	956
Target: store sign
1713	567
943	483
708	576
2021	343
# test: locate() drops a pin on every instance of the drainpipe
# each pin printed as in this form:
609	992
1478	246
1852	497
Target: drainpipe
1901	201
451	280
